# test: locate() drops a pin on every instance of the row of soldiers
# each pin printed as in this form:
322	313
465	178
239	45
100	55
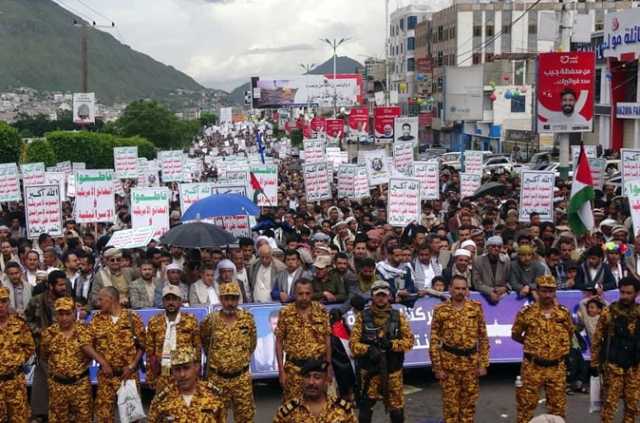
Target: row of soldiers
116	338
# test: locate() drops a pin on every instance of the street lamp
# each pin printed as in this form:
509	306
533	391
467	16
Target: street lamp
334	45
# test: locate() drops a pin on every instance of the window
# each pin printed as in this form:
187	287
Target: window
440	58
506	29
489	57
412	21
452	33
489	30
533	29
411	43
452	59
402	24
518	104
411	64
440	33
598	88
477	58
477	31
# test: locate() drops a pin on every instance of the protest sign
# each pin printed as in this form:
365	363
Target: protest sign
403	201
78	166
9	183
150	207
71	185
384	120
43	210
361	183
65	167
403	156
536	195
429	175
406	129
377	167
59	179
224	187
337	157
346	181
172	165
191	193
630	163
149	178
125	161
32	173
95	200
473	162
359	123
132	238
314	150
335	130
632	188
469	184
84	108
317	184
263	185
239	226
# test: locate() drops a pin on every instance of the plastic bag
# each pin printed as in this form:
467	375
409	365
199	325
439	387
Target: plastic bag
129	402
594	394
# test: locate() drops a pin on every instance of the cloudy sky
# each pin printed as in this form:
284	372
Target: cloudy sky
221	43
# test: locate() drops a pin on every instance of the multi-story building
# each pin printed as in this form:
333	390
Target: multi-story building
402	46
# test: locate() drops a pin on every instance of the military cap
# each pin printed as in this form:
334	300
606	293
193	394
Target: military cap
314	366
183	355
546	281
4	293
230	288
525	249
380	286
113	253
171	289
64	303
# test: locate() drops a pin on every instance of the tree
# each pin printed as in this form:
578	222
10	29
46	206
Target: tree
37	125
208	119
296	138
151	120
40	150
10	144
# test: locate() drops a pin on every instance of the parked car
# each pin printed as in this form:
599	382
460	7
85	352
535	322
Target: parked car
498	163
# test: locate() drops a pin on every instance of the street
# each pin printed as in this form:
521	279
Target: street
423	402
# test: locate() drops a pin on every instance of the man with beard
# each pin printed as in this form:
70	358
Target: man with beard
39	316
229	339
142	290
113	274
167	332
16	346
187	400
615	351
315	404
380	337
545	330
302	334
459	352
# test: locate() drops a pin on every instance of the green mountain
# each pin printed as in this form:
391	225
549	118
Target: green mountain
41	49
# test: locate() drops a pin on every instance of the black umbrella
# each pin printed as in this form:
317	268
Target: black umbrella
197	235
491	188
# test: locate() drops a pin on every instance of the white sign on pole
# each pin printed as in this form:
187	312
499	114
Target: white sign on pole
406	129
473	162
239	226
404	205
469	184
536	195
191	193
84	108
9	183
226	114
403	156
632	188
43	210
314	150
95	200
317	184
125	161
150	207
59	179
361	187
172	165
377	166
346	181
429	175
630	162
65	167
132	238
32	173
71	186
264	185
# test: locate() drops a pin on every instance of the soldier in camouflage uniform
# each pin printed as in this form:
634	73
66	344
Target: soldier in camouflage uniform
187	400
302	334
182	332
545	329
229	337
379	339
16	347
66	347
315	405
118	335
615	349
459	352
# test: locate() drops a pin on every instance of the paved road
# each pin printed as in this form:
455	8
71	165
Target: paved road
496	404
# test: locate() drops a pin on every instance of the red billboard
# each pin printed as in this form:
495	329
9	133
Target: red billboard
565	91
318	126
335	128
384	119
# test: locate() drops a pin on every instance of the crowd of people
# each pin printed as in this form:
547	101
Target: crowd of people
69	300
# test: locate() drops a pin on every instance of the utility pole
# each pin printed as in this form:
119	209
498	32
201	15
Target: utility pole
387	47
334	45
84	55
566	27
307	68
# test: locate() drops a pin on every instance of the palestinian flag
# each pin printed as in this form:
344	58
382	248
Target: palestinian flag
579	210
257	188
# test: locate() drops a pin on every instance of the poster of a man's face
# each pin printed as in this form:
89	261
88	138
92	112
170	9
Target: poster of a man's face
568	101
406	129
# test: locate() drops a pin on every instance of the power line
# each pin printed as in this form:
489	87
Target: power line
96	11
74	11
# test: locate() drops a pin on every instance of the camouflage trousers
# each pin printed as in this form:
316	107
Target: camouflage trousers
293	387
620	383
70	403
107	398
534	377
237	395
13	400
460	391
394	388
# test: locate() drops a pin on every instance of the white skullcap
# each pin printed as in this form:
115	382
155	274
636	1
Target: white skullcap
462	252
174	266
468	243
226	264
